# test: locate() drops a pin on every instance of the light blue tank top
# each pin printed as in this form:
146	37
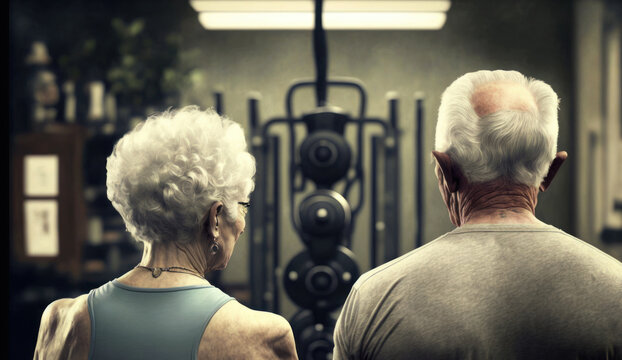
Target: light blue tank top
142	323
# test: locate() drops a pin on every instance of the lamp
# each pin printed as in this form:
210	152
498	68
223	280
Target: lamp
337	15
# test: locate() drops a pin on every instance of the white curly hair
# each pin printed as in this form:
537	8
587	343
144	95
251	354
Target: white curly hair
163	176
518	145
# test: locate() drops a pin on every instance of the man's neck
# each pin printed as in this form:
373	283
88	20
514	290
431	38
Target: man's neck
497	202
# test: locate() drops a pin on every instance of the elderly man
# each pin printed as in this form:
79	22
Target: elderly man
503	285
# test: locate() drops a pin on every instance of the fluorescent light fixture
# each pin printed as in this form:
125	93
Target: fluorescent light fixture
338	14
331	21
329	5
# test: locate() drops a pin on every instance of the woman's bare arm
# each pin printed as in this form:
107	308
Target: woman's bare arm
281	340
65	330
237	332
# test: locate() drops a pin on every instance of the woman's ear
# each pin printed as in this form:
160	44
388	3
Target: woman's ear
213	223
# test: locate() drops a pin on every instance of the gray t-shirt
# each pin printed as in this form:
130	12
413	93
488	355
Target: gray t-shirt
487	292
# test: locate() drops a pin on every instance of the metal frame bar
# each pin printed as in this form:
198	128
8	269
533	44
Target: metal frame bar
419	171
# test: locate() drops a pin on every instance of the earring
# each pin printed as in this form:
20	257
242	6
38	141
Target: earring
215	247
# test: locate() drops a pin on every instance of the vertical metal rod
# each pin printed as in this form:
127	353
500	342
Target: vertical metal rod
268	204
218	102
419	170
373	231
359	165
258	199
393	101
293	170
320	52
275	223
392	200
392	182
253	116
394	118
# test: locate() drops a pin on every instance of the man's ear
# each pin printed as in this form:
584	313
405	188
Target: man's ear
560	157
451	173
213	222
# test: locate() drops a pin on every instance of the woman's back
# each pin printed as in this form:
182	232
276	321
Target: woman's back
121	321
150	322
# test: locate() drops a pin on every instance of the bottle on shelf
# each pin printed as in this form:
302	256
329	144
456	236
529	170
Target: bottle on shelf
44	94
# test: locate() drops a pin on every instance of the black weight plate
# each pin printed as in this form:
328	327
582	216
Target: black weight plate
324	213
313	334
325	157
322	286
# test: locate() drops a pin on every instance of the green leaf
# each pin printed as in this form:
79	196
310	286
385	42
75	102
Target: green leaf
136	27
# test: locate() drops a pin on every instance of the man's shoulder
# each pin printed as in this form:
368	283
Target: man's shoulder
570	249
545	244
397	267
65	330
541	241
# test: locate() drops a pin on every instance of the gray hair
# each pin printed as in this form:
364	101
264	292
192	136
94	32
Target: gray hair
518	145
163	176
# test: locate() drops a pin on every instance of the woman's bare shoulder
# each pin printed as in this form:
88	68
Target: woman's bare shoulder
236	331
65	330
254	319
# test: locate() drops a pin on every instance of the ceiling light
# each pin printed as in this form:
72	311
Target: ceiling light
338	14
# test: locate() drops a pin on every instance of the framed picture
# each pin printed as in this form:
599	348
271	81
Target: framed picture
48	207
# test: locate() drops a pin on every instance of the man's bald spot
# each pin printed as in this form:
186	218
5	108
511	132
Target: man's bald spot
492	97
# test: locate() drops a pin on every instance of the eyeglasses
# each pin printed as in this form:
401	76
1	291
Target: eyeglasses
245	206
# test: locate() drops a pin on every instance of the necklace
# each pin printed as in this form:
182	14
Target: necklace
157	271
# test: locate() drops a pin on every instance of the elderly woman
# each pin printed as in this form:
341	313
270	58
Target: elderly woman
181	182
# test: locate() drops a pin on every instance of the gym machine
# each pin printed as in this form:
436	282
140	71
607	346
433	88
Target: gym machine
319	278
